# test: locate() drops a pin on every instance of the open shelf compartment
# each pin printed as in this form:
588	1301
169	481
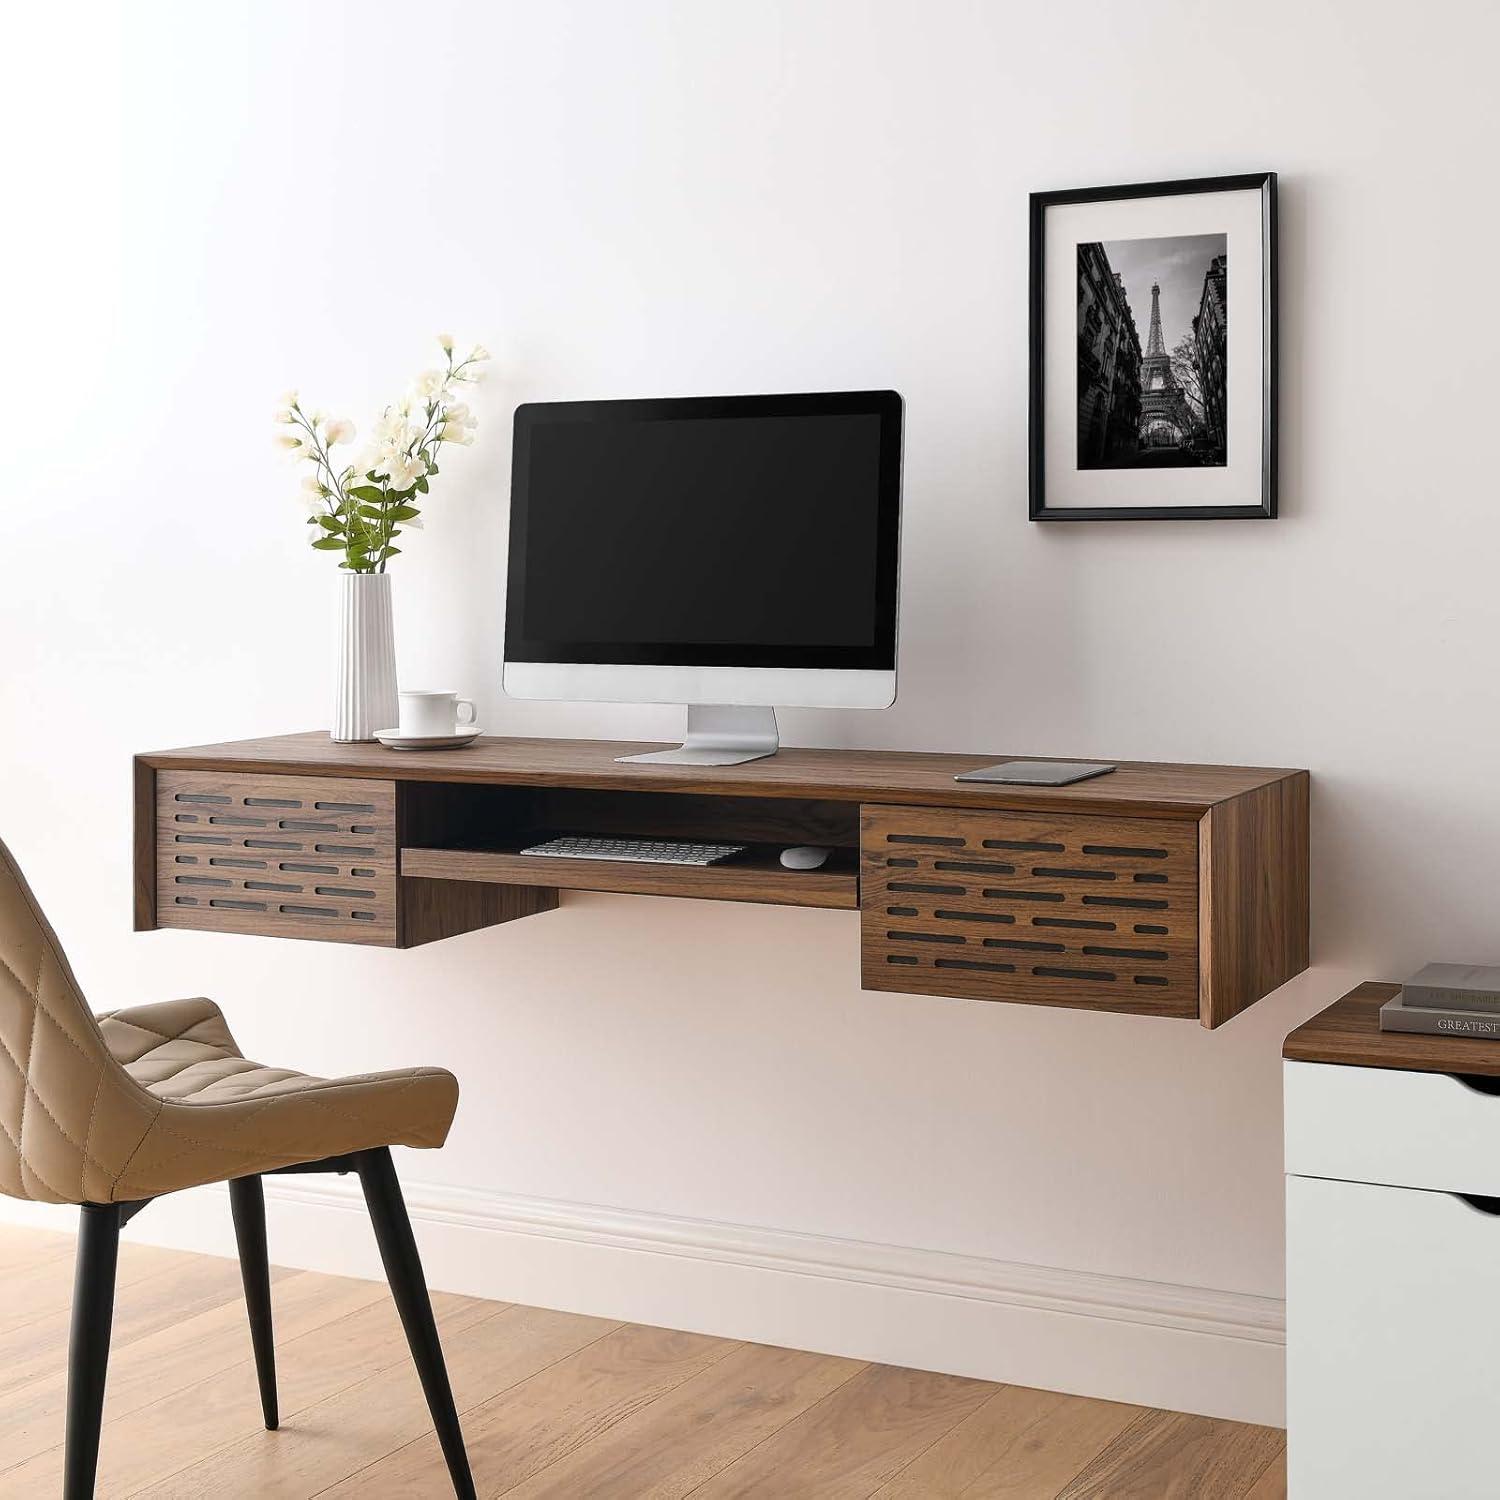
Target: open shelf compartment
476	834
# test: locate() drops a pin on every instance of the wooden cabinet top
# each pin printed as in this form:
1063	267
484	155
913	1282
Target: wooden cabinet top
1136	789
1349	1032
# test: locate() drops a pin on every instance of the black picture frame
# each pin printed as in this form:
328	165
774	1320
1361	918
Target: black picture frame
1038	510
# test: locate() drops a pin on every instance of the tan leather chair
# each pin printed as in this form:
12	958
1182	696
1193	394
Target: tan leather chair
112	1112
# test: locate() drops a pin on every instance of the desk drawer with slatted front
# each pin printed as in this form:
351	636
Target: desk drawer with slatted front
282	856
1048	909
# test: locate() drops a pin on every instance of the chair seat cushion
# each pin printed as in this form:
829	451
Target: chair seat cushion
219	1115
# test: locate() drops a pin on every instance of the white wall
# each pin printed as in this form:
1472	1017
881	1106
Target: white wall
206	204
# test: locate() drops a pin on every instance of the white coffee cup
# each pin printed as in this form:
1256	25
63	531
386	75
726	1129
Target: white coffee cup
428	714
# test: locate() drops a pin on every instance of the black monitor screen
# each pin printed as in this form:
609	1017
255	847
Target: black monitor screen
747	531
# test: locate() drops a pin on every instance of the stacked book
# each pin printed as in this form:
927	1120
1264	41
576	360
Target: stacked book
1447	1000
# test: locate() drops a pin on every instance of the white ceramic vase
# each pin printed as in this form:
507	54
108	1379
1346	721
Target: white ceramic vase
366	699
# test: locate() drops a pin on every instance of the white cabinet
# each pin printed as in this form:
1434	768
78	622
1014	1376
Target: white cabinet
1393	1286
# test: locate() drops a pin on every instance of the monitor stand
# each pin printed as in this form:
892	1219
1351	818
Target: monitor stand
719	735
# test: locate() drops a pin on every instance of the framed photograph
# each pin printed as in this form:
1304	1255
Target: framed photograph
1153	351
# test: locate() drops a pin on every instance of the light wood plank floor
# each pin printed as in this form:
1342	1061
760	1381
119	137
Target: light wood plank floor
555	1404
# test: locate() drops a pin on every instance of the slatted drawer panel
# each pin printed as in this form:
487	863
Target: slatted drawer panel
1055	910
282	856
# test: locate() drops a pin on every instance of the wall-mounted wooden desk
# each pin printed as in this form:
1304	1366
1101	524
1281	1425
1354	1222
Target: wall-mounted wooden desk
1166	890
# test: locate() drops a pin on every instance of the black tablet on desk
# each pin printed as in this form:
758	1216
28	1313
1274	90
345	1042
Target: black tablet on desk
1036	772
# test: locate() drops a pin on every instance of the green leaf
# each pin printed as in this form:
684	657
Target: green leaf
367	492
330	523
422	482
328	544
432	469
403	512
389	552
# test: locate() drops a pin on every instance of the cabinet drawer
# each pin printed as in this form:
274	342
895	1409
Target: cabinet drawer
281	856
1393	1321
1421	1130
1046	909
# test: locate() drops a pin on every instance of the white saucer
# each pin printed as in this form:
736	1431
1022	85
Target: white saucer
393	739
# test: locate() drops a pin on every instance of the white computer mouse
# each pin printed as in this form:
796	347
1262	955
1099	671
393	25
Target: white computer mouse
804	857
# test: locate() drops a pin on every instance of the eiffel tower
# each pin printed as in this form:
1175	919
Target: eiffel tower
1165	420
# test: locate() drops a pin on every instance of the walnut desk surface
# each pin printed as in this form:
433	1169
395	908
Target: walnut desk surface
1159	889
1138	789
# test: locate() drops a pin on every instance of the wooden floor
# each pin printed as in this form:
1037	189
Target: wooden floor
554	1404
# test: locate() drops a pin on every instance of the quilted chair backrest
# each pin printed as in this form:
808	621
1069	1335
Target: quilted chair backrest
71	1116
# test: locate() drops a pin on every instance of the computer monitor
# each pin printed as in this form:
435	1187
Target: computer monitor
731	553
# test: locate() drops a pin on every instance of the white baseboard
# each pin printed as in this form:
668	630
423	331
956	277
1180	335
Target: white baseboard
1152	1343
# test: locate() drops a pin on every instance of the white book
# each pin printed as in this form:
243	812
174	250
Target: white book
1396	1016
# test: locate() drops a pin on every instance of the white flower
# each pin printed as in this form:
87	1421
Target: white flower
429	384
445	342
480	352
289	440
402	470
287	398
340	430
394	434
457	424
368	458
282	414
313	497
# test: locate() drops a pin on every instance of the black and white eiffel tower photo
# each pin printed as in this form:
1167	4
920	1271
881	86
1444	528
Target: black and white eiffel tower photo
1164	405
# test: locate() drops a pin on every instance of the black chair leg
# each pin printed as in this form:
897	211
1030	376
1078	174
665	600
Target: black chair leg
247	1202
88	1343
403	1269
